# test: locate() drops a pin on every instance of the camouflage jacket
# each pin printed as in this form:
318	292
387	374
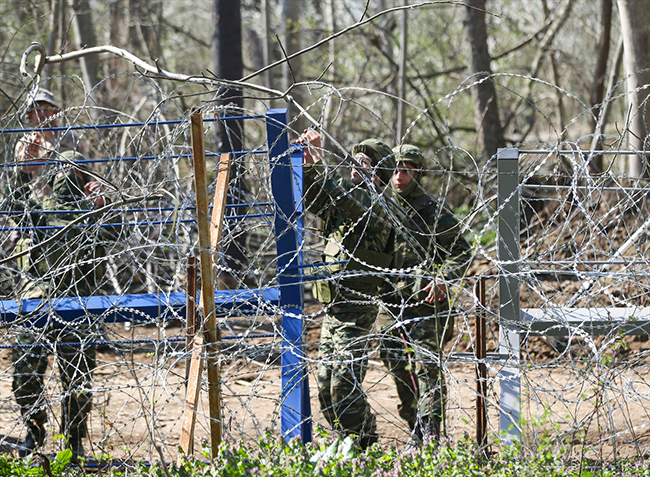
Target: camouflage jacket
72	264
430	244
356	230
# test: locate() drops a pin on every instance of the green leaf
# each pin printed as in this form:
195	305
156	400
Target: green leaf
347	450
64	457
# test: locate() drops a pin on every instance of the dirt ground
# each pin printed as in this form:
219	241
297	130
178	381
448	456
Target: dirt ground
139	396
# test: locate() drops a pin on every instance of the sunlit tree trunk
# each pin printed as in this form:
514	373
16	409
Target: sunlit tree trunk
85	33
228	64
486	110
635	28
267	50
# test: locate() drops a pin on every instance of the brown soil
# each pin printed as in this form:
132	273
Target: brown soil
140	395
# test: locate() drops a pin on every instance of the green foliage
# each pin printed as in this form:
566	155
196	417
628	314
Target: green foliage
36	466
341	457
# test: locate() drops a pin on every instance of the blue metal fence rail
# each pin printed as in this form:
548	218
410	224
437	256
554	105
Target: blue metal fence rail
286	185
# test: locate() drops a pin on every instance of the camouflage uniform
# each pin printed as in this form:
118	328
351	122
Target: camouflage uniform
429	245
50	142
71	266
355	229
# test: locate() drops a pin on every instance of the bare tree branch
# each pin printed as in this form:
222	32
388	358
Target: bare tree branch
352	27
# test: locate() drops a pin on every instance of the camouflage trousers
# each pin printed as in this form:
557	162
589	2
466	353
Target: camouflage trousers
342	363
410	349
75	364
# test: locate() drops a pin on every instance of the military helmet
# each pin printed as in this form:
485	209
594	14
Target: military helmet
41	95
381	156
411	154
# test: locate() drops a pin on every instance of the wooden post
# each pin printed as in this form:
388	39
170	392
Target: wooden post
219	209
208	234
190	335
190	307
481	368
195	368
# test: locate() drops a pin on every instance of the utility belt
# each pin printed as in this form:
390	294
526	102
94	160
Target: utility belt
409	289
368	282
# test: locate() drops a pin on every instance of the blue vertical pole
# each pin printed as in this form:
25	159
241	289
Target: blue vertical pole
286	185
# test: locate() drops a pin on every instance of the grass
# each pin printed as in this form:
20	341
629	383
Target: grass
272	456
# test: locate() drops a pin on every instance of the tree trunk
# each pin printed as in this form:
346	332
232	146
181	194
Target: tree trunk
267	51
330	14
635	28
144	26
401	83
598	89
53	40
292	71
228	64
486	111
559	94
614	72
85	33
386	45
62	27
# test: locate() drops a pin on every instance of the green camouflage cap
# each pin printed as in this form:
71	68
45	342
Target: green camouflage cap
381	156
41	95
411	154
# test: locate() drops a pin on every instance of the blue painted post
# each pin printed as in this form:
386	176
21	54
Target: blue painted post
295	413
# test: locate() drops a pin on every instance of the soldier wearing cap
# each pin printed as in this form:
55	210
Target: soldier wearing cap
358	245
43	112
71	266
430	250
33	149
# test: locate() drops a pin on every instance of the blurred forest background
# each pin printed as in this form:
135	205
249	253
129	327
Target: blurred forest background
459	79
469	76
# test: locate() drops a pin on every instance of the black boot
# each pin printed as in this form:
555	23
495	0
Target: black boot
34	440
77	448
367	440
431	426
416	431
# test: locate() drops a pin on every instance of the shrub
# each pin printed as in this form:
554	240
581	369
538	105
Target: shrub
273	457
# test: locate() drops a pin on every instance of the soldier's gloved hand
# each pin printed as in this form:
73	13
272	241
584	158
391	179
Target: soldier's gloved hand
93	189
311	154
14	237
437	289
32	152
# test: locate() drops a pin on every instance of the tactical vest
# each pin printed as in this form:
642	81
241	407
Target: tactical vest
324	290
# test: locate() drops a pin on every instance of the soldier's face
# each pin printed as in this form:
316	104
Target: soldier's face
403	175
356	176
41	112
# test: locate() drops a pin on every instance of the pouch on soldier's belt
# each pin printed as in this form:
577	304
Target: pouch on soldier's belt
323	289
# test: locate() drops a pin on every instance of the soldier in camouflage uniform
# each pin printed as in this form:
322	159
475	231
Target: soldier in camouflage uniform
39	146
71	266
357	232
42	111
429	250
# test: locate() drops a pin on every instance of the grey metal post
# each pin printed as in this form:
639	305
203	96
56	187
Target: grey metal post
508	257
